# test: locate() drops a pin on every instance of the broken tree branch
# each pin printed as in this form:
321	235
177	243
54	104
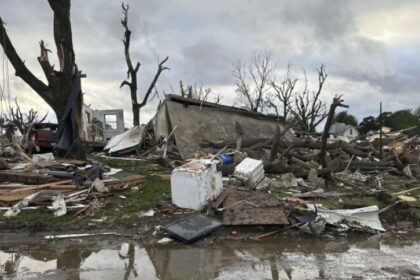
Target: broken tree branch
160	69
20	68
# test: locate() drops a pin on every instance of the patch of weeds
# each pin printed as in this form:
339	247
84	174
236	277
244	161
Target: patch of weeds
37	220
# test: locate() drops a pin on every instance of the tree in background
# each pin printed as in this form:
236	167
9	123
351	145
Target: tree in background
309	110
385	119
417	112
132	71
252	81
345	117
403	119
397	120
368	124
21	120
282	95
198	92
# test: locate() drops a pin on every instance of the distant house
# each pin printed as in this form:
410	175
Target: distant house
101	125
342	130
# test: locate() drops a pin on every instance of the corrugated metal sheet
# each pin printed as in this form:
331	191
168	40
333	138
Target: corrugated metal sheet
125	142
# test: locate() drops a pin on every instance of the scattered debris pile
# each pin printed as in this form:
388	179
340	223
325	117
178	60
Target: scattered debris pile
266	165
43	182
251	197
242	168
185	129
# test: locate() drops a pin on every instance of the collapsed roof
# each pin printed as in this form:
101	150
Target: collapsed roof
193	121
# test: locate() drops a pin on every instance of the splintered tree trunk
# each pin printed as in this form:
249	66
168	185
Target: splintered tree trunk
337	102
56	92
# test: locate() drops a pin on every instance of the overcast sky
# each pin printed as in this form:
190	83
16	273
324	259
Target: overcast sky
371	48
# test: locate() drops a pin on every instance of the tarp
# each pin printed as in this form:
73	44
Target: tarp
68	130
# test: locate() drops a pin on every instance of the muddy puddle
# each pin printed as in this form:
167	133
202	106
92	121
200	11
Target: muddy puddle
390	256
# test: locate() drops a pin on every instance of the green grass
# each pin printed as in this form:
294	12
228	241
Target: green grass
152	191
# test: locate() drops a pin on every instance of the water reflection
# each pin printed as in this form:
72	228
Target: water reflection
283	258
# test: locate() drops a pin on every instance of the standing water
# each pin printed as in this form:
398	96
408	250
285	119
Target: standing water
392	256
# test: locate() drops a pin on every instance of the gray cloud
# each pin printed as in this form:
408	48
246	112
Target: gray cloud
327	19
202	40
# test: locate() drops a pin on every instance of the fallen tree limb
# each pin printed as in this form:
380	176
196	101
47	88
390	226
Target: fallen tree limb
271	233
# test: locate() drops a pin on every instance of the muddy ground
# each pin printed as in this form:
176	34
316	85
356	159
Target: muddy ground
123	214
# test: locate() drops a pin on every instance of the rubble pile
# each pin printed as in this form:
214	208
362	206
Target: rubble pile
6	151
279	189
228	175
43	182
271	174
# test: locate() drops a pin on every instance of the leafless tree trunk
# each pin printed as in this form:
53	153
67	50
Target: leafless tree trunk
60	81
283	93
20	120
337	102
253	81
309	110
132	71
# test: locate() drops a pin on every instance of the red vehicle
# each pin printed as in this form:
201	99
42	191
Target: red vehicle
40	137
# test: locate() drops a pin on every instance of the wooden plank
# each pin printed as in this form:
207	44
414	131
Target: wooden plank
322	194
220	199
253	208
71	161
25	177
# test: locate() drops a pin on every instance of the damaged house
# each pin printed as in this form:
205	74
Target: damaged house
191	126
342	130
198	126
101	125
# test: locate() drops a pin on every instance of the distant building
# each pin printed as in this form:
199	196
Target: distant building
342	130
101	125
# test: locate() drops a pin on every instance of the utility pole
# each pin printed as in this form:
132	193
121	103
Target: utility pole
380	130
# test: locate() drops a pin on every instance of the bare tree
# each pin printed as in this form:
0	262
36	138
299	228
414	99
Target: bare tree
132	71
309	110
199	92
60	82
283	94
21	120
253	80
